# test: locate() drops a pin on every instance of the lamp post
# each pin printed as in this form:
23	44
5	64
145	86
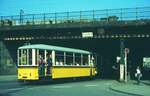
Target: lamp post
21	16
125	63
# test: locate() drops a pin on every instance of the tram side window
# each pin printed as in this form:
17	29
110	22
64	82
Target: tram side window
69	58
85	59
59	58
77	59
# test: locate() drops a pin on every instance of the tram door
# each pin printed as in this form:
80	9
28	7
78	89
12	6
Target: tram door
41	61
48	62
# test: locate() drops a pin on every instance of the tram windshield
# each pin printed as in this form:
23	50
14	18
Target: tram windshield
27	57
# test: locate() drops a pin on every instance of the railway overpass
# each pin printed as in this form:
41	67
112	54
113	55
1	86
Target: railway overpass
99	31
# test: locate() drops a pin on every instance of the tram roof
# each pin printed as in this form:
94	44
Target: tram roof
51	47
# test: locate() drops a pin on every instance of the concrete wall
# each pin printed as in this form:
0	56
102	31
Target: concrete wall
7	63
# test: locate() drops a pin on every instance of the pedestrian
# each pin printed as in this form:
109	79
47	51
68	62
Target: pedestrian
138	75
41	65
49	63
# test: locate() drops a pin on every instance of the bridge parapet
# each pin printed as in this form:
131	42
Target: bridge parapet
79	17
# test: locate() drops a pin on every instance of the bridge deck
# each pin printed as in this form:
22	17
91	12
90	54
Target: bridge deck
112	17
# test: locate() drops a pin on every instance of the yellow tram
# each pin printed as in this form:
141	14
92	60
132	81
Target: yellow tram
63	62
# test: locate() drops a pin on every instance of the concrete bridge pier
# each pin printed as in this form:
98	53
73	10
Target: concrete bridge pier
7	64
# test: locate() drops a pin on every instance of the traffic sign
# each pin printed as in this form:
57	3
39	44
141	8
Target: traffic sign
127	50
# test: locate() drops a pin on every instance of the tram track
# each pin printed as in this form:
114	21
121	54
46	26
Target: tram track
8	87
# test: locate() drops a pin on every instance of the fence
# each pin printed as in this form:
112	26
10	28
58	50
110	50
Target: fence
107	15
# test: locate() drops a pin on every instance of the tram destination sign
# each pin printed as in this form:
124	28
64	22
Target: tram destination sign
87	34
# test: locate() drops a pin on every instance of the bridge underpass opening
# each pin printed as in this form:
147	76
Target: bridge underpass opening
106	49
139	48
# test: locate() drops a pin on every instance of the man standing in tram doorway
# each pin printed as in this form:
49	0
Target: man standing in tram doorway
49	64
41	65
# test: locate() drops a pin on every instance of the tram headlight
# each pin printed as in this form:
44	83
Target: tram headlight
19	75
95	72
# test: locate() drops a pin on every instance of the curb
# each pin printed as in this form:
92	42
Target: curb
133	94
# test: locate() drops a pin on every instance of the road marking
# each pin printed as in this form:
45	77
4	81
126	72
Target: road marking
62	86
9	90
107	84
31	88
91	85
14	89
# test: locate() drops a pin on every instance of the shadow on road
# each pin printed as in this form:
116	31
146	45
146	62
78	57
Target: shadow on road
146	83
56	81
4	94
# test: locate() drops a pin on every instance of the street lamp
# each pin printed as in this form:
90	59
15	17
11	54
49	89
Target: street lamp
21	16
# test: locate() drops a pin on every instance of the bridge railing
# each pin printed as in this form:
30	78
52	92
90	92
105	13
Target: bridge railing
107	15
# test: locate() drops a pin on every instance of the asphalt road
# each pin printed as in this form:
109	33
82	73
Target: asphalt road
95	87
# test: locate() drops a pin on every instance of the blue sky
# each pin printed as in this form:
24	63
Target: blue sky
12	7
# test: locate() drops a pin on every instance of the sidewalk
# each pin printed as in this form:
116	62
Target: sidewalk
131	88
8	78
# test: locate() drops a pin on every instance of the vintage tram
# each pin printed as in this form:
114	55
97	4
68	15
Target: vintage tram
40	61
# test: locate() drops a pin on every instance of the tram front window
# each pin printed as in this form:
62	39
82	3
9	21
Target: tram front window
92	60
25	57
85	59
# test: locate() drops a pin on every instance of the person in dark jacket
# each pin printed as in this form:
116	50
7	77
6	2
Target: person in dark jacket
138	74
49	63
41	65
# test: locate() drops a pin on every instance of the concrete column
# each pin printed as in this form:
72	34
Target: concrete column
122	60
1	52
